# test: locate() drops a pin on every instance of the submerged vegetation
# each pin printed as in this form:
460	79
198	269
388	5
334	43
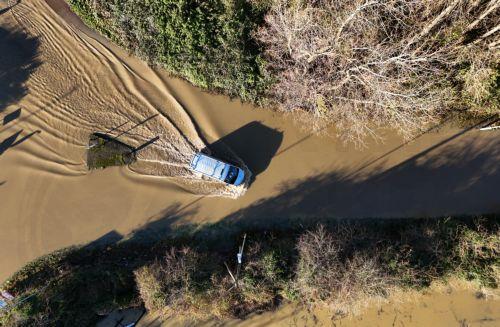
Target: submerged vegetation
339	265
359	64
105	151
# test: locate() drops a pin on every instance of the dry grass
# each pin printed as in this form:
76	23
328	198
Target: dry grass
480	81
167	284
325	276
178	283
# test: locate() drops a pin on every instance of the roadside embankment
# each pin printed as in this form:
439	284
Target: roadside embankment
338	266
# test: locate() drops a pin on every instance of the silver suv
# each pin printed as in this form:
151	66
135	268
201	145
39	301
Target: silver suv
217	169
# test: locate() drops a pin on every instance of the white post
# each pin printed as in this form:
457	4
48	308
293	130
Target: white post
490	128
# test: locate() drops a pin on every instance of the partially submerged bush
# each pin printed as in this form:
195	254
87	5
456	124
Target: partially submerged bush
346	267
327	274
185	281
77	284
167	283
358	64
106	151
264	275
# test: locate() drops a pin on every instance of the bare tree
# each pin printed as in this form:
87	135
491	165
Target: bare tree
363	64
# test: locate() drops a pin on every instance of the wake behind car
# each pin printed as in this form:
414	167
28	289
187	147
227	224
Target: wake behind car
217	169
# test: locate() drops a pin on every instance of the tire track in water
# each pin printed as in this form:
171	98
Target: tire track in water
108	88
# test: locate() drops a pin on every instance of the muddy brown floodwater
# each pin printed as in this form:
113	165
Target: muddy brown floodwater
59	82
457	305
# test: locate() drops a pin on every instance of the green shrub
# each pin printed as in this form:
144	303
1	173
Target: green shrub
477	256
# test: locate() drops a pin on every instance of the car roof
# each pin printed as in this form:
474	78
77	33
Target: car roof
208	165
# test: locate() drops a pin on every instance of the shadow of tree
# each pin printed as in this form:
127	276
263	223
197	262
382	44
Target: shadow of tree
459	179
12	140
11	116
86	283
5	10
19	60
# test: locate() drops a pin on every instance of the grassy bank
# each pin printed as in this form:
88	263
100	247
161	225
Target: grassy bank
339	265
206	42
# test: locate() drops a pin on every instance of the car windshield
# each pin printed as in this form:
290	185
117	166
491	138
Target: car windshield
231	175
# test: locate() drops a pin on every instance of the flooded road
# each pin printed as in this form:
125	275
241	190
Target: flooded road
460	305
59	82
459	308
